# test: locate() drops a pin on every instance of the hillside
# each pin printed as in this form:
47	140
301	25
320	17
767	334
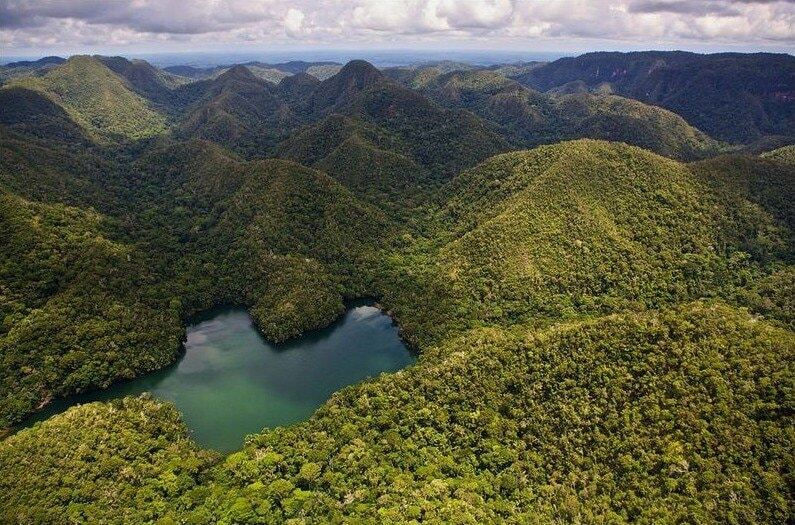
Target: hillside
149	82
194	227
97	99
366	119
586	228
237	110
70	307
30	112
733	97
531	118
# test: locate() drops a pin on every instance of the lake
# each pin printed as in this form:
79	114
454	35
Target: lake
231	382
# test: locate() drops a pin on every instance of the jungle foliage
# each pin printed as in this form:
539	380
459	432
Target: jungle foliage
605	334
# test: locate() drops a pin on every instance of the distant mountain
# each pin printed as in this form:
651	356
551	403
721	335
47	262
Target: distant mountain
340	90
300	66
46	61
100	101
401	128
270	72
146	80
235	109
531	118
297	89
197	73
734	97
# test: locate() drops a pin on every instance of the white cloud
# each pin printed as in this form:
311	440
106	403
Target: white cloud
294	22
26	24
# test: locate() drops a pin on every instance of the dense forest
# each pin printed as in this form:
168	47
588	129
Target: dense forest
732	96
600	288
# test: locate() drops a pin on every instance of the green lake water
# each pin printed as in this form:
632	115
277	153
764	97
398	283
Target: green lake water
231	382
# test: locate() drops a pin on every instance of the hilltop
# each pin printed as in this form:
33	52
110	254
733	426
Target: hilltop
588	228
531	118
733	97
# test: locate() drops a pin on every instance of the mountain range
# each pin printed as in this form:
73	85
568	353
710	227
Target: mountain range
592	258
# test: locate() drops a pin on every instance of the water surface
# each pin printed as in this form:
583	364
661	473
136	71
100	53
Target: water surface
232	382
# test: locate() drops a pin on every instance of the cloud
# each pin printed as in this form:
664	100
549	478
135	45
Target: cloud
149	16
183	24
689	7
294	22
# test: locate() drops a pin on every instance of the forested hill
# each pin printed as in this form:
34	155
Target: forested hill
604	328
732	96
580	295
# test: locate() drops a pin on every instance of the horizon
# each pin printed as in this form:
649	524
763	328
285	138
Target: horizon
378	57
558	27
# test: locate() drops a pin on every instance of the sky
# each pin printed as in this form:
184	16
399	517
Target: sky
129	27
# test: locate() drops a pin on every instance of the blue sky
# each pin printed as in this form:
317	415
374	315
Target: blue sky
37	27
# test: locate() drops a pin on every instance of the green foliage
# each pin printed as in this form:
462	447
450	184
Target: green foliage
97	99
237	110
785	155
125	461
533	118
584	228
733	97
566	373
683	415
71	310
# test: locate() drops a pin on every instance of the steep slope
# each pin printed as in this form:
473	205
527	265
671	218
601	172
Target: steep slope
237	110
532	118
587	227
785	155
287	240
306	239
341	89
733	97
71	307
56	171
440	140
411	142
296	90
30	112
365	158
146	80
97	99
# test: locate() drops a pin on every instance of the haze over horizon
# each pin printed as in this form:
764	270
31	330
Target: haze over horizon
560	27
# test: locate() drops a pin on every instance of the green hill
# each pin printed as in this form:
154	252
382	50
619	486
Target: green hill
97	99
531	118
587	228
30	112
149	82
237	110
186	227
785	155
732	96
71	307
605	334
402	129
365	158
